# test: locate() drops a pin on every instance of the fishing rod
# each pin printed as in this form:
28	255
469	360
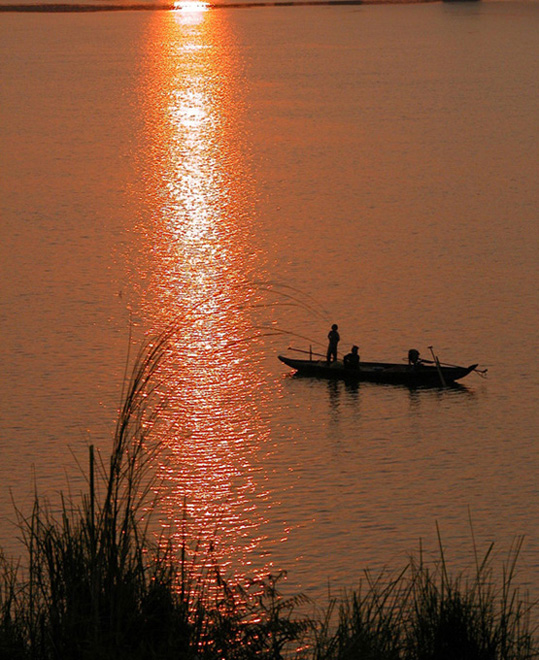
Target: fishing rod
310	352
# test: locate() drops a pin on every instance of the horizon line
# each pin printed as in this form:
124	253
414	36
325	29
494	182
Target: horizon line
75	8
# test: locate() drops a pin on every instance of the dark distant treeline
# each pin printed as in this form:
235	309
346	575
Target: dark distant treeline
63	7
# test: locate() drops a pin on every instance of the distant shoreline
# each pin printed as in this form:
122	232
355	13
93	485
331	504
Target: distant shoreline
76	8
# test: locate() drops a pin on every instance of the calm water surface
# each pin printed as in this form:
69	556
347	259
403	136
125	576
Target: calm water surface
254	176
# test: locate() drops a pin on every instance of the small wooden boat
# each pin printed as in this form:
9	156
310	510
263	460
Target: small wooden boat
421	373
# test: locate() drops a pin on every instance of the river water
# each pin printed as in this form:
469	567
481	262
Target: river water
252	176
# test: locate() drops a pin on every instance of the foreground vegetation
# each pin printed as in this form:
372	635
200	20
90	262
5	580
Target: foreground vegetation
96	584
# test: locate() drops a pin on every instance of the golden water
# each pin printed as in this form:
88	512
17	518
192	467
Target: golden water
251	177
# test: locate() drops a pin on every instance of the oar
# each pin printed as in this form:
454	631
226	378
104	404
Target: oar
479	372
437	362
443	364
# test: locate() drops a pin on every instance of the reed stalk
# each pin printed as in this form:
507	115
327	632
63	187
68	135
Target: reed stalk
427	614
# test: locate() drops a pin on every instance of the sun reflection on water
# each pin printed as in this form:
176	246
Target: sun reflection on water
196	267
191	6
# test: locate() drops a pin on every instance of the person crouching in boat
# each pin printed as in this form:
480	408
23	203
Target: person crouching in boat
333	337
351	360
413	358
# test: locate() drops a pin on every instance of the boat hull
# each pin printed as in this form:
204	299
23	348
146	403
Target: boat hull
380	372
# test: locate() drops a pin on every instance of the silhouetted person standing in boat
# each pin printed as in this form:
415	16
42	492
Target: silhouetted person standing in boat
333	337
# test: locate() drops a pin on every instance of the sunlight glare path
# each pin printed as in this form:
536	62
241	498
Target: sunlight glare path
196	269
